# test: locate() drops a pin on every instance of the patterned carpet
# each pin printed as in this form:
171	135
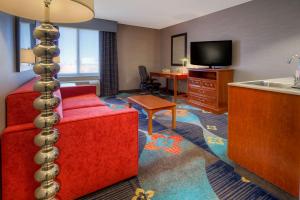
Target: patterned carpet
188	163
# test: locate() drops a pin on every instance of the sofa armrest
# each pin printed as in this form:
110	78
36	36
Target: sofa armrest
104	145
77	90
98	150
77	115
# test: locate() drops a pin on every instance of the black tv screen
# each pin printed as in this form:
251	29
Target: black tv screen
211	53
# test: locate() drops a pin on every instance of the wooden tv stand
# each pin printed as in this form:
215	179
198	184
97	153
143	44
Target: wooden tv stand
207	88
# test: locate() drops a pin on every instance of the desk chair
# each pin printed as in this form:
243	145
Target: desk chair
147	83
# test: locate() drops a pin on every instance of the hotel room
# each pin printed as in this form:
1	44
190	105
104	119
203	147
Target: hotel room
150	100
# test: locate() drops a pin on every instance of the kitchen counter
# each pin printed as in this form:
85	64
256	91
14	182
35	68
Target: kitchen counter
263	130
285	85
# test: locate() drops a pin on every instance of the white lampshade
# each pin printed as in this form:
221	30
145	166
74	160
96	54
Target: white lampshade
27	56
61	11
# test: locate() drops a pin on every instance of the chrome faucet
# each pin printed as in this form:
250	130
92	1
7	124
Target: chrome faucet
297	73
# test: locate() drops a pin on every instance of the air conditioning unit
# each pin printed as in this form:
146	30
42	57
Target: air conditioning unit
83	82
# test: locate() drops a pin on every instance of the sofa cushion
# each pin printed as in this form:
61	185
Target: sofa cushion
88	112
81	101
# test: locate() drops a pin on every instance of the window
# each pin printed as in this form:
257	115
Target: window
25	36
79	51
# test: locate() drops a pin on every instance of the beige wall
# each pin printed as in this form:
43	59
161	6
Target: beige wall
9	79
265	34
136	46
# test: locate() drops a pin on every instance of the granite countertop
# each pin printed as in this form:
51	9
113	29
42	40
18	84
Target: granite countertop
286	82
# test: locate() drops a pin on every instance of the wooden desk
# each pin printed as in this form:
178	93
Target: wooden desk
153	104
174	76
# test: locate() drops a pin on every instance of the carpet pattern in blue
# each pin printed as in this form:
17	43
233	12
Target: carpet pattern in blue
188	163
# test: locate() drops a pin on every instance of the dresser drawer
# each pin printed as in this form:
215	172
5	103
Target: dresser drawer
194	81
210	101
201	91
201	105
205	83
209	84
207	88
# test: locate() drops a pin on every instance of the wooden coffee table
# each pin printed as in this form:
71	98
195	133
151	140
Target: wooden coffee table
152	104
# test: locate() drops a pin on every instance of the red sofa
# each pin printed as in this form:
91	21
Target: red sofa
98	146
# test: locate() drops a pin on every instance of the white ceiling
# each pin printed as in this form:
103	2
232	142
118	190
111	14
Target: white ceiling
158	13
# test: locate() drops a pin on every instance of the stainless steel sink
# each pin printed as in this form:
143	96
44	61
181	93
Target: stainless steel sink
269	84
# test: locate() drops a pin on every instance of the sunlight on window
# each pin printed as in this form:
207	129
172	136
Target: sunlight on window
79	51
89	51
68	50
25	36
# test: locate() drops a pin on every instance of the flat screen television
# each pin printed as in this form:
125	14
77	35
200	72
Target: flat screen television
211	53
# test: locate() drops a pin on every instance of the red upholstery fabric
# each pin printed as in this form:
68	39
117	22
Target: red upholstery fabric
19	104
98	147
19	108
27	87
78	90
81	101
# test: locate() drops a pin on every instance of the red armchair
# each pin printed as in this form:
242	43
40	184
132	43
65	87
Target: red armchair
98	146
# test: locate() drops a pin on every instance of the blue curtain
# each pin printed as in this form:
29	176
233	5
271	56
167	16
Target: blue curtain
109	80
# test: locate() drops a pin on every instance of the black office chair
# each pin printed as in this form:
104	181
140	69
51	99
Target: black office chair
147	83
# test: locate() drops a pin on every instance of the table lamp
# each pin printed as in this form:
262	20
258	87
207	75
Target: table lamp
48	12
184	62
27	56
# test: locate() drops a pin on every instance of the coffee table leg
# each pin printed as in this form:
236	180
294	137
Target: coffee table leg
150	115
174	117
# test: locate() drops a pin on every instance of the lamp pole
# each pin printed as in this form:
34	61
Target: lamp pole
74	11
46	104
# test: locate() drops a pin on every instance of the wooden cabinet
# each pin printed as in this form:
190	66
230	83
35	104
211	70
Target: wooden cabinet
264	135
207	88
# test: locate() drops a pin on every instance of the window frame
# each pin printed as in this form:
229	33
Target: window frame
78	74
